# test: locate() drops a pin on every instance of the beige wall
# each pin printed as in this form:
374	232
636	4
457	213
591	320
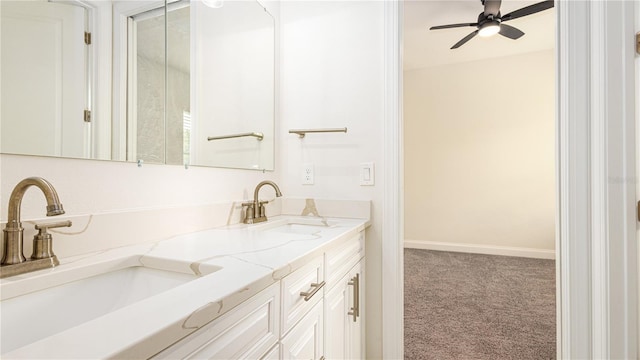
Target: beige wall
479	153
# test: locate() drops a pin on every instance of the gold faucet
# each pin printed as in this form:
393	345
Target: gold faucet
255	212
13	260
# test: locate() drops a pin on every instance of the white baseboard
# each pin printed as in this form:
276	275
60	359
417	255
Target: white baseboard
481	249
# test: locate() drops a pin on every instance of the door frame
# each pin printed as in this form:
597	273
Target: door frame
596	248
123	139
98	59
637	104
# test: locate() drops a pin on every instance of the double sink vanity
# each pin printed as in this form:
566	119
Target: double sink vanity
189	282
291	287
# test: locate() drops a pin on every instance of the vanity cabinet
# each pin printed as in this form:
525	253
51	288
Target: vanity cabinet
313	313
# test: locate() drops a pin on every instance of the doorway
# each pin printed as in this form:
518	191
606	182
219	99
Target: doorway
595	142
479	147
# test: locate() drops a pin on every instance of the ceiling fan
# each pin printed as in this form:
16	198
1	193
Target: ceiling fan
491	22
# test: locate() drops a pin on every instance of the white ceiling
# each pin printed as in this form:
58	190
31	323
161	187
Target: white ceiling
424	47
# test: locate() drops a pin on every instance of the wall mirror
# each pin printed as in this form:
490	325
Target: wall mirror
182	82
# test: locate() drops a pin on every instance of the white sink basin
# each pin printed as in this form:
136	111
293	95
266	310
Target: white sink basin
299	225
35	308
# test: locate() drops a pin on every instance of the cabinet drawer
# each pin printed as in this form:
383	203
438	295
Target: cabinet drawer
342	258
247	331
309	280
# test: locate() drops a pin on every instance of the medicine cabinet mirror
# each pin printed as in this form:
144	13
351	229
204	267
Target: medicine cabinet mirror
172	83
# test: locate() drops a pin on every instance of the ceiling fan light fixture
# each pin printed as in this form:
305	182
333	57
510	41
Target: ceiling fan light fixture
490	21
489	28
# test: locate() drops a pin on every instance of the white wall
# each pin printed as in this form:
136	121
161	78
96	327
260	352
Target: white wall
332	76
93	187
479	154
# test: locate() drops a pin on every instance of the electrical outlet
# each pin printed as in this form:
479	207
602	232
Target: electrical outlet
307	174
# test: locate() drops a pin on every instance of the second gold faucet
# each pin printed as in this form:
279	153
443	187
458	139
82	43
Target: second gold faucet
255	211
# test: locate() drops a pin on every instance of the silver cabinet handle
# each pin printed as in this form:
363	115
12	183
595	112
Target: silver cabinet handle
314	289
355	310
358	294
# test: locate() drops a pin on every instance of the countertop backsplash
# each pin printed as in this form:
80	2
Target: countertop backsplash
97	232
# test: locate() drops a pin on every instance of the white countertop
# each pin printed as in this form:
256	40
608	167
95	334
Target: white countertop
250	258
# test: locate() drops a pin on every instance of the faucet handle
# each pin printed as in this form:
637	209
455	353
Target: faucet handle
43	241
43	227
261	209
250	212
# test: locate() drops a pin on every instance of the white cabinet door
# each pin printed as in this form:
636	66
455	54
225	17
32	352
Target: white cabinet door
337	303
306	339
357	328
344	310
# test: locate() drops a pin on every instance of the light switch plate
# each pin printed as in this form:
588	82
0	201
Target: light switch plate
367	174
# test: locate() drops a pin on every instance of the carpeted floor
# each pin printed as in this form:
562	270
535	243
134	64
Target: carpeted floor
471	306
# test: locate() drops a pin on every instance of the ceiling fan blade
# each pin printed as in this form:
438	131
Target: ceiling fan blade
452	26
465	39
528	10
510	32
491	7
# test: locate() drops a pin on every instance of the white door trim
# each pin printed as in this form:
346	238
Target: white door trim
597	254
637	180
122	128
596	249
393	207
637	103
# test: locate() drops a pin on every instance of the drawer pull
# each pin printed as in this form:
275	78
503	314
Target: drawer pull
355	310
314	289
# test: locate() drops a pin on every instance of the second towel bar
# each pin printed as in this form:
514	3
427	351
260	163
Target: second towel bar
302	132
257	135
